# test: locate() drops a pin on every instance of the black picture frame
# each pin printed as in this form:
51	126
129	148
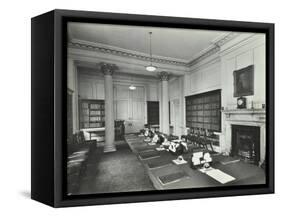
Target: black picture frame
48	106
244	81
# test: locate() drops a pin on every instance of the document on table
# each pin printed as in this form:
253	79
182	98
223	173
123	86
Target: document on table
218	175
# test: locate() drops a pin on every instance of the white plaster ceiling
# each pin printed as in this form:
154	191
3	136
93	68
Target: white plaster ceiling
181	44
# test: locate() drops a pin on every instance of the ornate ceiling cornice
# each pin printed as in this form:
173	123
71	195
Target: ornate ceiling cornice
214	48
204	55
221	41
124	53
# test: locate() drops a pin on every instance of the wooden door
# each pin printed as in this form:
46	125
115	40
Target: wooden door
129	106
137	110
175	117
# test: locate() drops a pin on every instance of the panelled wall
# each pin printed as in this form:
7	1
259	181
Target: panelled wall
129	105
211	73
238	54
216	72
251	51
176	98
204	76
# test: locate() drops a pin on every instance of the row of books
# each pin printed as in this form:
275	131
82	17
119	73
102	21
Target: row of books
96	106
203	99
86	105
203	113
97	112
92	125
215	127
203	106
97	118
214	120
91	119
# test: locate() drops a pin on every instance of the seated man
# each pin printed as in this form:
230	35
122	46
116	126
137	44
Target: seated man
146	132
166	143
178	148
149	134
161	139
154	140
142	131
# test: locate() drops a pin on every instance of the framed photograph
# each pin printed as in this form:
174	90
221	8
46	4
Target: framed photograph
244	81
134	108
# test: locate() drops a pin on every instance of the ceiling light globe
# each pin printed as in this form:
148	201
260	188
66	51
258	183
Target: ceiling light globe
150	68
132	87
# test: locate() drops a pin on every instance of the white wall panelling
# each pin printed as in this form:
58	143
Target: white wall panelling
208	72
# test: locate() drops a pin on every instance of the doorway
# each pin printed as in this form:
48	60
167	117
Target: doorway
129	105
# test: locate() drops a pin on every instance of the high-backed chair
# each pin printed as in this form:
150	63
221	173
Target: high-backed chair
79	150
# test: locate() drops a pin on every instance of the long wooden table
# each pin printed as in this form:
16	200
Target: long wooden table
244	173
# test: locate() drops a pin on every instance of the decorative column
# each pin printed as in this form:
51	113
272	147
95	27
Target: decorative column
107	70
72	85
164	76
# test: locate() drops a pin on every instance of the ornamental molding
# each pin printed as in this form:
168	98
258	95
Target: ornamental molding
225	38
164	76
122	52
206	54
215	47
107	68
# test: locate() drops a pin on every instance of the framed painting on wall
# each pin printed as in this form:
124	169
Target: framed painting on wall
244	81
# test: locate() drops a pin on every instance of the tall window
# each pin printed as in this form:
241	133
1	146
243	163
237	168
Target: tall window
204	110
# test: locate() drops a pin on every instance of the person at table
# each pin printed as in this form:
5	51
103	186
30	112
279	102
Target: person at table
178	148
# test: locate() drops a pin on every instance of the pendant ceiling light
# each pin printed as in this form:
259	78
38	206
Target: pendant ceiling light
132	87
150	67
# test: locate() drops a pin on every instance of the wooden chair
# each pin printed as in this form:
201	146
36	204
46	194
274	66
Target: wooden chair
78	153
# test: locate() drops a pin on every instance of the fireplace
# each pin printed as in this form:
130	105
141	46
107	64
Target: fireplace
245	143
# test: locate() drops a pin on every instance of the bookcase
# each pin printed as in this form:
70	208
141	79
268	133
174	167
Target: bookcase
92	116
204	110
91	113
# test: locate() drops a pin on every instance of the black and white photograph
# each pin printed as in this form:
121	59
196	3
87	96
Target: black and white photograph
144	108
157	108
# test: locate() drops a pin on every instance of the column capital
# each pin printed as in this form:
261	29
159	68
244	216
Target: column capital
107	68
164	76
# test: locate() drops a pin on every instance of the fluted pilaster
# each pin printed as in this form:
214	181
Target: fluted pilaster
108	70
164	77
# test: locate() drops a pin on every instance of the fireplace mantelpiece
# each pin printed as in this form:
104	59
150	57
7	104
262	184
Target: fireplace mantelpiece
245	114
246	117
